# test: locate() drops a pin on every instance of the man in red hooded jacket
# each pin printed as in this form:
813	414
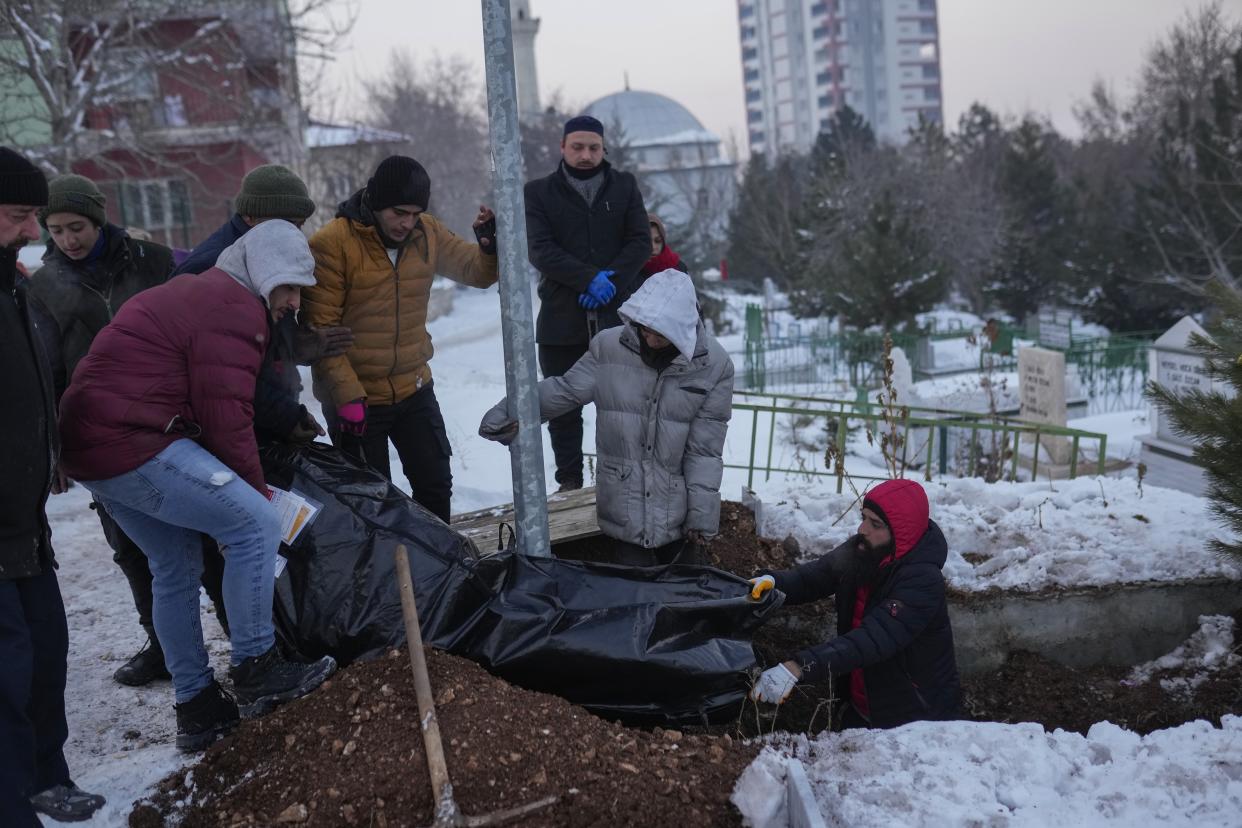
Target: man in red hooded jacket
894	640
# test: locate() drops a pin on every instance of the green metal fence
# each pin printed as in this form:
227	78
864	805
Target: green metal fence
1112	371
812	361
959	443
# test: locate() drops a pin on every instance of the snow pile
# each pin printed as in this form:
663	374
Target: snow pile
760	791
969	773
1029	536
1209	649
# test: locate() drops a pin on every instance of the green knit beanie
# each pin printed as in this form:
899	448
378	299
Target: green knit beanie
74	194
274	191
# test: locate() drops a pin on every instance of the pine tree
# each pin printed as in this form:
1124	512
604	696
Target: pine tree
762	237
1118	281
1032	267
871	257
1214	420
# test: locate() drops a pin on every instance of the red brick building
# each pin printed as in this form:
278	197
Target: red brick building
214	94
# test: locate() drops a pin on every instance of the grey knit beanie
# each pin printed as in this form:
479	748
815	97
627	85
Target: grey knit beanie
75	194
274	191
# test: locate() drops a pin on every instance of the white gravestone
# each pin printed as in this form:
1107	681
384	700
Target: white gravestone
1167	455
1056	327
902	381
1179	370
903	377
1041	388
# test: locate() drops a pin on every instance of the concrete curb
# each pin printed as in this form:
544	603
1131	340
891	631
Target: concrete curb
800	802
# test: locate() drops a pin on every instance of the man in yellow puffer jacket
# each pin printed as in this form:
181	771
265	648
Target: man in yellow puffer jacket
374	264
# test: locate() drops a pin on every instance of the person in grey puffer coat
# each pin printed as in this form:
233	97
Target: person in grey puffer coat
663	391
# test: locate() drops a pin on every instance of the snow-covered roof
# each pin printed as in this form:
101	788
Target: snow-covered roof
650	119
341	135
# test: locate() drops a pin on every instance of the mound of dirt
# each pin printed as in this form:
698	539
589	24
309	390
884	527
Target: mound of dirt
739	549
352	754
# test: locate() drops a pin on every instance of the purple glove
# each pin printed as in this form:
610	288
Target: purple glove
352	417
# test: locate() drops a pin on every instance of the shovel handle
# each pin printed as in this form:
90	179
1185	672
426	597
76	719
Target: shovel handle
441	785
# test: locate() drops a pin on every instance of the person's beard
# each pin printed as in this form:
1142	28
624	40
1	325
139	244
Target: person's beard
865	565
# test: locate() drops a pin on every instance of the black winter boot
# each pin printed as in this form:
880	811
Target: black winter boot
263	682
205	718
146	666
67	803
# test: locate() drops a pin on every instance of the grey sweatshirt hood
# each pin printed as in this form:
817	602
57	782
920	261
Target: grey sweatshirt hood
667	304
270	254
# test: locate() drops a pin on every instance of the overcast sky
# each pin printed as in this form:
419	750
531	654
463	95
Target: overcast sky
1013	55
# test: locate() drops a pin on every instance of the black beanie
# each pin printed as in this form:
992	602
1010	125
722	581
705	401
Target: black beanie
583	123
868	503
20	181
399	180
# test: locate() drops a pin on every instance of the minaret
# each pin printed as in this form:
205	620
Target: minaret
525	28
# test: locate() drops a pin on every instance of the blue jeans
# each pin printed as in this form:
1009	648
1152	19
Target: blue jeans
163	505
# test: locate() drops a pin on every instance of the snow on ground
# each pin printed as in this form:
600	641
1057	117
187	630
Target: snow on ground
988	774
121	738
1123	429
1029	536
1018	775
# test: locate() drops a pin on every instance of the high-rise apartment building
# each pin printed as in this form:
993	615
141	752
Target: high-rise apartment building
802	60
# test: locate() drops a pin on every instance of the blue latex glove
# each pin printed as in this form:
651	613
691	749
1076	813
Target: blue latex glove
585	300
601	289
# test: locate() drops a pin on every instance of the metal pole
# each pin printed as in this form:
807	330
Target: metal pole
530	502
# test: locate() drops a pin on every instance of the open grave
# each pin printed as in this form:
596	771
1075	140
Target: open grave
351	754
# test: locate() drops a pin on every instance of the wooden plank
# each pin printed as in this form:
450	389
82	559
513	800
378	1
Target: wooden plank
571	515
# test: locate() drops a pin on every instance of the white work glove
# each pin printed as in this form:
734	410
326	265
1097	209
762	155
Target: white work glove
760	585
774	686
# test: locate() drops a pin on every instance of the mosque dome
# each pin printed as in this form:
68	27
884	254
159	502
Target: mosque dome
649	119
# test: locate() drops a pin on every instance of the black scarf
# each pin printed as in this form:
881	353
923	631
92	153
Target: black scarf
657	359
583	175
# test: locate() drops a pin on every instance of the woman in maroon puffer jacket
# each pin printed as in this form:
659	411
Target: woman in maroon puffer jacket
158	423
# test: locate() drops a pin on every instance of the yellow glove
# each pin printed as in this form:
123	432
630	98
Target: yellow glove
760	585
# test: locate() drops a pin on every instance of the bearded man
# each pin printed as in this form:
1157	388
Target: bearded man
894	639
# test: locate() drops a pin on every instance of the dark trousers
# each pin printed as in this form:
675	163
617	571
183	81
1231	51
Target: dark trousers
851	719
679	551
130	558
565	431
416	428
34	644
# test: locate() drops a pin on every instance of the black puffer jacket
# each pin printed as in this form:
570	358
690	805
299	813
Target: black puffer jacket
72	301
28	437
569	242
904	644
